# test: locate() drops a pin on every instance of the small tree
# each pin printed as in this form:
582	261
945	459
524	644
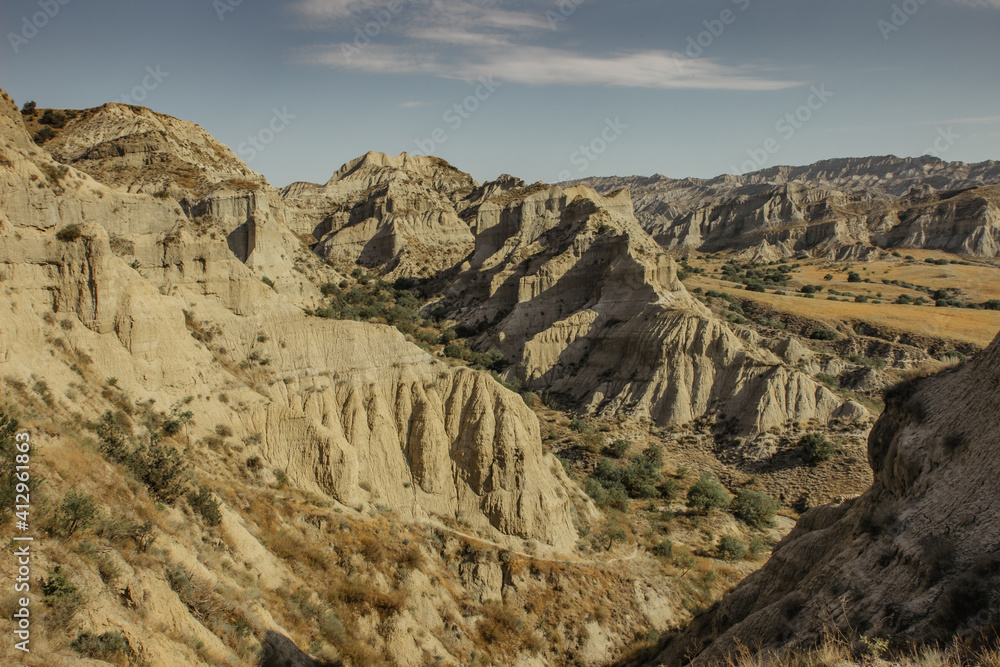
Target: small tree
708	494
76	512
754	508
732	548
816	447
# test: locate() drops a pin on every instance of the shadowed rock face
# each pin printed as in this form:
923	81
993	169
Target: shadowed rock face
827	208
916	557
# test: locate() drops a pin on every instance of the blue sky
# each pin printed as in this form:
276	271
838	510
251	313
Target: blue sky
541	89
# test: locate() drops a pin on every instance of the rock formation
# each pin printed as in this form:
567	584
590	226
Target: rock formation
587	307
831	209
345	409
915	558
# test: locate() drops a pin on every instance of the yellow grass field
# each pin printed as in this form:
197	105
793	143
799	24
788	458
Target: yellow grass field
977	283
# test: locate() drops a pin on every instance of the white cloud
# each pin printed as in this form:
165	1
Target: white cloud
979	4
465	39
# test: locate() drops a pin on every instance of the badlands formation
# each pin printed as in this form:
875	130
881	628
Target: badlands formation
358	390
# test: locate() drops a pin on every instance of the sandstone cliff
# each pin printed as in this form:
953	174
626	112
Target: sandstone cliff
395	214
914	558
588	308
346	409
830	208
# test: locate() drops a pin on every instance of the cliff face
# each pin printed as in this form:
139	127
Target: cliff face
348	410
915	557
586	306
826	209
398	215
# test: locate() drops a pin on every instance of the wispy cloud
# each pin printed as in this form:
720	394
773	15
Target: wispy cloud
979	4
412	105
465	39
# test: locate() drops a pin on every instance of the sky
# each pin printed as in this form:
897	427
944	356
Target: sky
542	89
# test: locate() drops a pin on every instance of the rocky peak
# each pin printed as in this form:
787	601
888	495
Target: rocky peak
139	150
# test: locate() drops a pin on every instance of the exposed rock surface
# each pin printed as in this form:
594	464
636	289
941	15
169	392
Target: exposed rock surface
347	409
396	214
828	208
586	306
915	557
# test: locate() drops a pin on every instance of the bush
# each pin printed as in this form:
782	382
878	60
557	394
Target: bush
43	135
530	398
757	547
28	109
824	334
110	647
853	277
732	548
707	494
205	504
267	281
578	425
61	596
619	448
70	233
816	447
76	512
754	508
664	549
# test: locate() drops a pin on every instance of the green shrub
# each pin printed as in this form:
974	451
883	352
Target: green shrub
530	398
664	549
76	512
205	504
732	548
43	135
61	596
824	334
70	233
707	494
29	108
267	281
757	547
853	277
754	508
578	425
110	647
619	448
816	447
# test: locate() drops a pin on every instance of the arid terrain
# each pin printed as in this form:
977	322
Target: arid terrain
401	417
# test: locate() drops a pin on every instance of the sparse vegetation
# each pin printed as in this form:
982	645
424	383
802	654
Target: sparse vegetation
708	494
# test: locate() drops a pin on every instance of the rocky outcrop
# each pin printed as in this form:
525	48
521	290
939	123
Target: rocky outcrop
585	306
830	209
138	150
398	215
166	306
915	557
